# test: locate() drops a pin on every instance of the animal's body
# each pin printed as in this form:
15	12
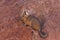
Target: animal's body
34	23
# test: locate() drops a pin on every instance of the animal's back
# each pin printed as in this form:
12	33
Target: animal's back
35	23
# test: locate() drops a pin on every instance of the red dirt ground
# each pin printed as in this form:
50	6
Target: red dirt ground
11	29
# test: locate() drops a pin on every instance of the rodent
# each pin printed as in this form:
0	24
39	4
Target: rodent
34	23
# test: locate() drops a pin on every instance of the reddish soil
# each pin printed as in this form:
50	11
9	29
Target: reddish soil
11	29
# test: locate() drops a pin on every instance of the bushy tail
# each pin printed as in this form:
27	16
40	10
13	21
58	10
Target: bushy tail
43	34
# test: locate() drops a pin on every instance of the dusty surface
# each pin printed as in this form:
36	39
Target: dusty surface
11	29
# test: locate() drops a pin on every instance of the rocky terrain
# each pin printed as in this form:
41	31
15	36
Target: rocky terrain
12	29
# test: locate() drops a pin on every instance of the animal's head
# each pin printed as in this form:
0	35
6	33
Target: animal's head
25	13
